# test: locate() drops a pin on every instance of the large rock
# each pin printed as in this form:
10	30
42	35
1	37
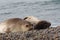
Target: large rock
52	33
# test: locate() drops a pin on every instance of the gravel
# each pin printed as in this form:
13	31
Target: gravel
52	33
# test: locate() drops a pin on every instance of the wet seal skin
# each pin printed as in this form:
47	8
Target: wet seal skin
38	24
15	25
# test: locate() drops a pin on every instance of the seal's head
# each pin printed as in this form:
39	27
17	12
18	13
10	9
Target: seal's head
32	19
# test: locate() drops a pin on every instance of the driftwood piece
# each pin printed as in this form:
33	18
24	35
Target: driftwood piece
52	33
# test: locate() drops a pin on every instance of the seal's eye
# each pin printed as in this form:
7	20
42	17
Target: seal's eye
27	25
25	18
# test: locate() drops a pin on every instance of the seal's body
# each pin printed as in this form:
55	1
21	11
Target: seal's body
38	24
14	25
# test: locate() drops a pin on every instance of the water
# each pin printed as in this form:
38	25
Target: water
43	9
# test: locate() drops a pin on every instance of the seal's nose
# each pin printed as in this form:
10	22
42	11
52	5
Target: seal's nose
31	28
